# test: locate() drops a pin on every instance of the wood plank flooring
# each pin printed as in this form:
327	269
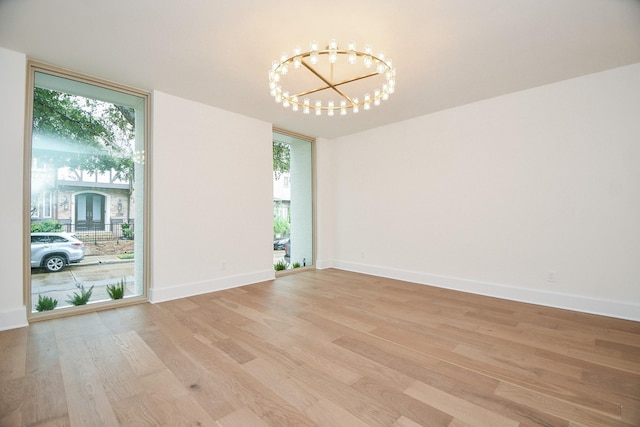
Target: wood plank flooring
325	348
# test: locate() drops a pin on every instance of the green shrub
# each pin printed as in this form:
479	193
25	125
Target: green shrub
281	265
127	233
280	227
48	226
46	303
117	291
82	298
296	265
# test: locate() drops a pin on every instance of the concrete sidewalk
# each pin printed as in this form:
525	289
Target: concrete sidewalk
98	271
101	259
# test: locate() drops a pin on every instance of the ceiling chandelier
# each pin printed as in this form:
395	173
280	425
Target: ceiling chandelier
349	79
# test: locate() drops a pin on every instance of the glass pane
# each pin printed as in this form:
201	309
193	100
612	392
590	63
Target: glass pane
97	213
88	167
293	202
81	214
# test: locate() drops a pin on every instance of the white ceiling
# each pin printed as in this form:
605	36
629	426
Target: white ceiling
447	52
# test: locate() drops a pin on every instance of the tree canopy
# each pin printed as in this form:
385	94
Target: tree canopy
281	158
83	133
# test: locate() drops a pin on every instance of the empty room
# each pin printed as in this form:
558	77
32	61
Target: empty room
292	213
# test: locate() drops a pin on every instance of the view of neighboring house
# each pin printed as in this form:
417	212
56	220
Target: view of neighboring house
80	200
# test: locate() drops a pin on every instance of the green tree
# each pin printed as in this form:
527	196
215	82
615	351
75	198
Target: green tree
82	133
280	226
281	158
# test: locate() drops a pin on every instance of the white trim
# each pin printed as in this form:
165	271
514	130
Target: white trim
168	293
617	309
14	318
321	264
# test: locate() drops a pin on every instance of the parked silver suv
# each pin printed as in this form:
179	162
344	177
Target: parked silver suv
54	251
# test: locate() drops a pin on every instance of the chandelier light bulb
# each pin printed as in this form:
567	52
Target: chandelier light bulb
391	72
368	61
392	86
313	58
305	106
333	52
376	97
318	108
297	59
284	68
381	66
353	57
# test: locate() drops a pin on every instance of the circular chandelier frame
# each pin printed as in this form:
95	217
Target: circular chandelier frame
310	59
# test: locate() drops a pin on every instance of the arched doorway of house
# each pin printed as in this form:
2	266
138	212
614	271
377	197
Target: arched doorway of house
90	212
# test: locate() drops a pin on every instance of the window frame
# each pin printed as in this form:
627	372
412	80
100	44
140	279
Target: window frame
314	243
34	67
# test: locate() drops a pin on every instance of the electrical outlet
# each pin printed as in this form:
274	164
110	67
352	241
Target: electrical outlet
551	277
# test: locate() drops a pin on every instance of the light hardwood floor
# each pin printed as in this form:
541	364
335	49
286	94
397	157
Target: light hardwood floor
327	348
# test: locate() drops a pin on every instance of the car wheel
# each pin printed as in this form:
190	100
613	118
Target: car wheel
54	263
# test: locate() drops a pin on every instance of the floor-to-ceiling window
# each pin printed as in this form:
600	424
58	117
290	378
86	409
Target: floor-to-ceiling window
292	201
86	207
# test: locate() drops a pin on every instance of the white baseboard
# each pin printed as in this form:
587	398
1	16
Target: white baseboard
617	309
196	288
15	318
321	264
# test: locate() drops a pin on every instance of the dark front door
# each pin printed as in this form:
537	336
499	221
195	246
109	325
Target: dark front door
89	212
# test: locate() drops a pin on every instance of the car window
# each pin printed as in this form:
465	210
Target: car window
58	239
39	239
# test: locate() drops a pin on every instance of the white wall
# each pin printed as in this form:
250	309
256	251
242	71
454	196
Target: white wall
325	207
13	312
212	207
532	196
